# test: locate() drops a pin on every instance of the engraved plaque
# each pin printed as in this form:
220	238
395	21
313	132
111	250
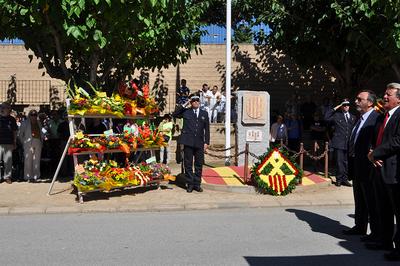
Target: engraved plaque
254	108
253	135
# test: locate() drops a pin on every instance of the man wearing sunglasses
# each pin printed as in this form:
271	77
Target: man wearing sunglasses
195	137
342	122
8	137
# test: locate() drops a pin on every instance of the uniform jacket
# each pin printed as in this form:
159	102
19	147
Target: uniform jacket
342	129
196	130
389	150
362	167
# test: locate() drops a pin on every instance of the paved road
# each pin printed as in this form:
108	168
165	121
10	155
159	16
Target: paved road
263	236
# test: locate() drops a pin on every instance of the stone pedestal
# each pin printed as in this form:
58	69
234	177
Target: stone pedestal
253	123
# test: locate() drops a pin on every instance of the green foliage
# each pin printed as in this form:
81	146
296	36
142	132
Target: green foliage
103	41
243	34
355	40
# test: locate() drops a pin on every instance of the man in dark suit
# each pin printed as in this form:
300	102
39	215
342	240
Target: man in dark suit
386	156
360	168
195	137
343	123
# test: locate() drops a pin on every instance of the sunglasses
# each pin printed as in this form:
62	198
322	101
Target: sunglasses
196	100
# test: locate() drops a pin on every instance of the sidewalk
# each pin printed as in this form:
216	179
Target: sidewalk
31	198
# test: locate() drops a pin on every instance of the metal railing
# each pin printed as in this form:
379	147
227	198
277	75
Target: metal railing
34	92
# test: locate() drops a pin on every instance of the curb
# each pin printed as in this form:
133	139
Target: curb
16	211
252	190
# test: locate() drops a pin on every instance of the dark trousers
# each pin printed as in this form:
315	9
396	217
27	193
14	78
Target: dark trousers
341	165
365	206
196	155
384	208
394	194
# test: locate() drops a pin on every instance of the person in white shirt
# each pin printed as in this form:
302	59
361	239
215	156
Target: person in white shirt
215	97
205	96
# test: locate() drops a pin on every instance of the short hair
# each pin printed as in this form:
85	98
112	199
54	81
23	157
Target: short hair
371	96
205	84
396	86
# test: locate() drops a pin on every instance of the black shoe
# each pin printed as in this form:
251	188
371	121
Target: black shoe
189	189
353	231
346	183
198	189
338	183
379	246
394	255
369	238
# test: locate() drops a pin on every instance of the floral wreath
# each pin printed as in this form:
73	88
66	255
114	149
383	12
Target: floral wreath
276	173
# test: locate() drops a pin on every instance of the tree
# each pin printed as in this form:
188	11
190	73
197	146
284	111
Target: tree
103	41
376	28
347	37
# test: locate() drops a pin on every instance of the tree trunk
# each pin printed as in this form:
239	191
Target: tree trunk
94	63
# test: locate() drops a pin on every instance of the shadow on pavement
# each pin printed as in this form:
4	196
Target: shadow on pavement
325	225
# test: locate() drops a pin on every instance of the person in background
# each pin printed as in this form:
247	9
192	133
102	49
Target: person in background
205	96
294	129
215	97
307	110
343	123
182	93
318	136
166	127
67	168
279	132
54	144
8	140
31	136
221	108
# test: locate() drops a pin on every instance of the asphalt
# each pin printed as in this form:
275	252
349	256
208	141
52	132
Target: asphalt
21	198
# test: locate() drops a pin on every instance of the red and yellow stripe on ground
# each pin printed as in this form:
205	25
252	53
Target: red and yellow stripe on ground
233	176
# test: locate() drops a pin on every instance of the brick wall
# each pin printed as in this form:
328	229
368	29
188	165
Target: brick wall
278	75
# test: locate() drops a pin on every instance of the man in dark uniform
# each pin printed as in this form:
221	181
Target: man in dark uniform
343	123
360	168
386	157
195	137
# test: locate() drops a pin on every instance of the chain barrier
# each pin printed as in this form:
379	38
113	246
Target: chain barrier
224	156
313	157
216	149
294	154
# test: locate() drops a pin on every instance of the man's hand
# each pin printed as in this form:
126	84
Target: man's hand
376	163
205	147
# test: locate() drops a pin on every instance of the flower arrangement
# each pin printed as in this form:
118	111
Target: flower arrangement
126	142
131	99
93	175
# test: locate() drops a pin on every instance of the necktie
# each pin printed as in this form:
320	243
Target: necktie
353	137
381	130
195	112
346	117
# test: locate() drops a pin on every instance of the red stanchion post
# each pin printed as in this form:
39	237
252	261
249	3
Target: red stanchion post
246	163
301	155
326	159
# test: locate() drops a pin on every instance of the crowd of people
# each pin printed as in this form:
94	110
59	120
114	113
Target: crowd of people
31	145
366	146
212	100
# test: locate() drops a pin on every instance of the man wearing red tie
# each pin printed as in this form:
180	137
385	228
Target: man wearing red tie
386	157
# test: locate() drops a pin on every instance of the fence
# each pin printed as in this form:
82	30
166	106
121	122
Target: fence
295	155
31	92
